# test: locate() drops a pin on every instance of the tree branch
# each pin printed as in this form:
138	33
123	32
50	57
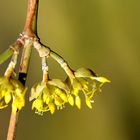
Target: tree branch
30	29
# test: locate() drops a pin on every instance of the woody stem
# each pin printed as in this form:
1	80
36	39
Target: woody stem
30	30
30	27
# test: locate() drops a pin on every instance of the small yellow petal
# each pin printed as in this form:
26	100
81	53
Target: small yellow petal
102	79
71	100
33	105
7	97
38	104
78	102
33	93
62	96
51	107
45	96
88	102
58	101
36	91
48	99
3	92
75	92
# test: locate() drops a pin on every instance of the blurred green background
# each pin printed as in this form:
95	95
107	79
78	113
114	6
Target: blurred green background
98	34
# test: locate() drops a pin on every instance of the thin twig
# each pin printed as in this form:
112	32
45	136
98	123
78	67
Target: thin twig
5	55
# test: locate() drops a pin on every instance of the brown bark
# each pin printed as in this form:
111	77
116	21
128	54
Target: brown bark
30	29
12	126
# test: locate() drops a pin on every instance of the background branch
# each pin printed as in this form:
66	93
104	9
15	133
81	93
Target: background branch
30	30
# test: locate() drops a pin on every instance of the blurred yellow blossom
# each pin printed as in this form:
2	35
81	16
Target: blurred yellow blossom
49	96
11	89
87	82
54	94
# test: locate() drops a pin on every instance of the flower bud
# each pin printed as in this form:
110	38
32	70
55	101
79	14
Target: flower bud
78	102
51	107
7	97
88	102
71	100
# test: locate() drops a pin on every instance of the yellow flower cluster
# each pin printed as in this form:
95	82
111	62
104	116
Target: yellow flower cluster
11	90
87	82
55	93
48	97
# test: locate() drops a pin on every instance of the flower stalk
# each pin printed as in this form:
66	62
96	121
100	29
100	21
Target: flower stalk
12	64
62	63
5	55
45	70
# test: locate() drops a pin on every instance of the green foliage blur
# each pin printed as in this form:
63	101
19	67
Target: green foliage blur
99	34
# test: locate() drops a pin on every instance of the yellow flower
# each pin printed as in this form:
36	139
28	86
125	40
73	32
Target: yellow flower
52	95
55	93
7	97
6	90
12	90
18	95
87	82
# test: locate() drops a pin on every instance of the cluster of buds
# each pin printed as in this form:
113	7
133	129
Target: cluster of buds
48	94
